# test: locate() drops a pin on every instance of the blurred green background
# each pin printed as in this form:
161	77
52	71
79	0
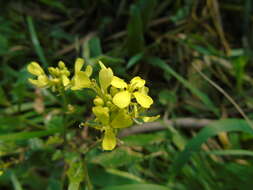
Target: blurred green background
196	57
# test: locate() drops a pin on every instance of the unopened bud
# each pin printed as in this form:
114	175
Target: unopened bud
109	104
98	101
61	65
55	80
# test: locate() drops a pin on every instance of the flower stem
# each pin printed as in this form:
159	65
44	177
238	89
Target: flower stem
64	107
87	177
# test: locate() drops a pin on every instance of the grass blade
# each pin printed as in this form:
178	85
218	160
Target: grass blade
203	97
15	182
28	135
231	152
35	41
135	38
137	186
194	145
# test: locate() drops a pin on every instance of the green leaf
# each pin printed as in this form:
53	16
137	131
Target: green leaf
117	158
15	182
194	145
135	38
203	97
35	41
231	152
125	175
55	123
166	97
95	47
137	187
28	135
147	10
144	139
55	4
239	69
134	60
75	172
107	60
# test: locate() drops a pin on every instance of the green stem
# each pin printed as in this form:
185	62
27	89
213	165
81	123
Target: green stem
87	177
98	91
64	107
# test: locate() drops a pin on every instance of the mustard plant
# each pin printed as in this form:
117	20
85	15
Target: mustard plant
117	104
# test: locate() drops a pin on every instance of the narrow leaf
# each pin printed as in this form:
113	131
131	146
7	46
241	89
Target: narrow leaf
137	187
203	97
194	145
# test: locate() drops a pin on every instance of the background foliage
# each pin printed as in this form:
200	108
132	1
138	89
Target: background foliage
177	46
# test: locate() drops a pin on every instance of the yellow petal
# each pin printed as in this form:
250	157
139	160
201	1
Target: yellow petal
122	120
80	80
137	82
143	90
102	114
88	70
109	140
122	99
35	69
144	100
65	80
118	82
150	119
105	78
41	82
34	82
78	64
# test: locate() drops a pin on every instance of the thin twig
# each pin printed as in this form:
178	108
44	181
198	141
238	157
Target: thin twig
158	126
239	109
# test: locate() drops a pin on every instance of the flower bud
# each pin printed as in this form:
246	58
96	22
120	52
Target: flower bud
54	71
109	103
55	80
98	101
61	65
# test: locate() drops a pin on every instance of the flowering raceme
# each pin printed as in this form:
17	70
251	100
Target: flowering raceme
116	105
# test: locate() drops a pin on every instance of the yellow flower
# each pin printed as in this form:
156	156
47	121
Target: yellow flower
59	76
135	89
35	69
102	114
81	78
64	74
121	120
105	77
109	121
150	119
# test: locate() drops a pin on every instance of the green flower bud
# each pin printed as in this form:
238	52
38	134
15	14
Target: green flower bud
109	104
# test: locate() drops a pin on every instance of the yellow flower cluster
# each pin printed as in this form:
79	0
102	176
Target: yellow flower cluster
59	77
117	103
